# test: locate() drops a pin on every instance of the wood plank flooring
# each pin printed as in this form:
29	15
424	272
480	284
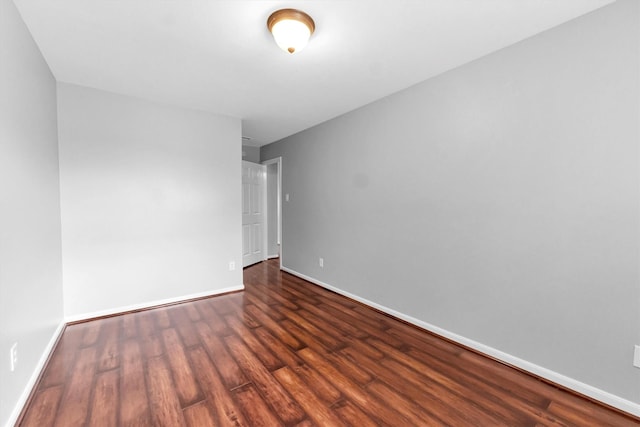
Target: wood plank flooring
285	353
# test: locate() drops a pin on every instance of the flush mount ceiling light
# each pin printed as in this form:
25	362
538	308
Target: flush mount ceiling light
291	29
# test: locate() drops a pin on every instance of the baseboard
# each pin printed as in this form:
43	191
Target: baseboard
13	418
547	374
136	307
24	397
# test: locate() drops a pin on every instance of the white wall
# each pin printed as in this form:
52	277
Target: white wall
30	257
498	201
150	199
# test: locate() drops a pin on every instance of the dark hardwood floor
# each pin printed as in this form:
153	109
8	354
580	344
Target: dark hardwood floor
285	352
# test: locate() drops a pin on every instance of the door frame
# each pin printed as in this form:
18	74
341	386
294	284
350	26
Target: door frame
278	161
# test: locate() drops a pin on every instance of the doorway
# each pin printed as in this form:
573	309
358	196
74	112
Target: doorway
274	208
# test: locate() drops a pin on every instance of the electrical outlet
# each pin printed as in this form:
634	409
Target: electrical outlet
232	265
321	262
13	357
286	197
636	356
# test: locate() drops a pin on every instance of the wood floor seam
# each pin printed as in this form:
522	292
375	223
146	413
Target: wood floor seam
285	352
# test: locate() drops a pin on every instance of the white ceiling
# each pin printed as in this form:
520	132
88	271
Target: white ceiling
218	56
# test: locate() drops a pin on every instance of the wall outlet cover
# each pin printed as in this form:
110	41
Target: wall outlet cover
636	356
13	356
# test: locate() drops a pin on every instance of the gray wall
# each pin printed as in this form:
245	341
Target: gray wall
498	201
251	154
150	198
30	258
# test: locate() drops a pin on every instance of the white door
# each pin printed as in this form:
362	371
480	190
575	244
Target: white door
254	189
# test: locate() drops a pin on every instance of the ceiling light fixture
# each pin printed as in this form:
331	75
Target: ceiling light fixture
291	29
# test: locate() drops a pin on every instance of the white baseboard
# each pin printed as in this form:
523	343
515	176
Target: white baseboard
580	387
13	418
118	310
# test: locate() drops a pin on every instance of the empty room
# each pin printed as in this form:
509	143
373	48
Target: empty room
319	213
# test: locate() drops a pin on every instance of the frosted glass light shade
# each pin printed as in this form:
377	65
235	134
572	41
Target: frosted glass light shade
291	35
291	29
